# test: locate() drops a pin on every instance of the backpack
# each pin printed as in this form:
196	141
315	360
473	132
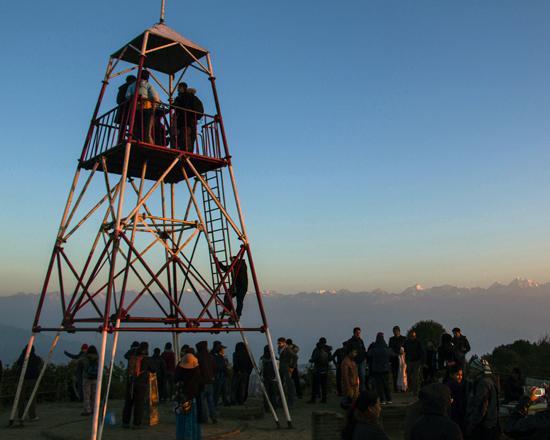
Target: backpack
92	370
268	372
134	367
198	107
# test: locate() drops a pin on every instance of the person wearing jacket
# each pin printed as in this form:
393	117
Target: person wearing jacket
137	389
357	343
415	358
29	382
189	385
396	343
363	419
79	372
350	378
320	360
536	426
242	367
288	361
170	360
453	379
435	401
380	355
161	374
89	381
482	405
513	386
208	369
222	367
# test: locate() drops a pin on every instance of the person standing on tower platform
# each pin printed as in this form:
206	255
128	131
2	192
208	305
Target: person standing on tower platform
186	121
121	114
240	282
144	109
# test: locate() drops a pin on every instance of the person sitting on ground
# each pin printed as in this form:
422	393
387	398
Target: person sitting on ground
513	386
536	426
435	400
363	422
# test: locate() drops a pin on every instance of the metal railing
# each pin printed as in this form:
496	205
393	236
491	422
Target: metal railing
155	124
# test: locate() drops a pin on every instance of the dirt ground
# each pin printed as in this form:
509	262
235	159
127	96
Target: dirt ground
62	421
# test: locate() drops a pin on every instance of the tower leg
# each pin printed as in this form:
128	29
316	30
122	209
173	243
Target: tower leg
104	406
21	378
259	377
101	362
278	376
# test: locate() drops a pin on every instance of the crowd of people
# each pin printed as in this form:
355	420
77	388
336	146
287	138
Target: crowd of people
455	400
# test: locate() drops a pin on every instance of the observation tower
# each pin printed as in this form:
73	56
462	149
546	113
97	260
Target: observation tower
153	215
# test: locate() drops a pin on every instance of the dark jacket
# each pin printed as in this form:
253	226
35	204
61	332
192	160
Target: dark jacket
457	413
513	389
207	363
33	364
161	366
241	279
520	427
241	360
462	344
189	380
435	400
186	101
414	351
320	361
380	355
367	429
170	359
221	365
482	406
396	342
359	345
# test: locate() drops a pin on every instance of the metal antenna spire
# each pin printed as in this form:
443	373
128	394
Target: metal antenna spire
162	12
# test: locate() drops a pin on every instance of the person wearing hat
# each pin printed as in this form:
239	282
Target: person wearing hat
189	385
79	370
222	366
482	406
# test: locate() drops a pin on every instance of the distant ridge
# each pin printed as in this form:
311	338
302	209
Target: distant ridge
489	317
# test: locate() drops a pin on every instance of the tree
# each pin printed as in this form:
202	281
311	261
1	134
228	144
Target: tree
426	330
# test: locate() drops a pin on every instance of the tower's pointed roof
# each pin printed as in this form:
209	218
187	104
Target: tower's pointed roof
166	50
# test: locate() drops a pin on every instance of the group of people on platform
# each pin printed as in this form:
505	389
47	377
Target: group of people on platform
148	126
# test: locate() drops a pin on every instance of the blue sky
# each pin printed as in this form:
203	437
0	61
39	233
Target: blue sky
376	144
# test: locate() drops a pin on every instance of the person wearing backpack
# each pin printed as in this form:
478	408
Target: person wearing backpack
90	369
139	368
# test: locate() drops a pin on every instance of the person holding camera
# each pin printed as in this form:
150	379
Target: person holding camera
536	426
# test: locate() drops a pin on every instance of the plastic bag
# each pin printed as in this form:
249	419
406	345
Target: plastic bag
110	418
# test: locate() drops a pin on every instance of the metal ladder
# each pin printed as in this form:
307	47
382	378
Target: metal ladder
216	224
